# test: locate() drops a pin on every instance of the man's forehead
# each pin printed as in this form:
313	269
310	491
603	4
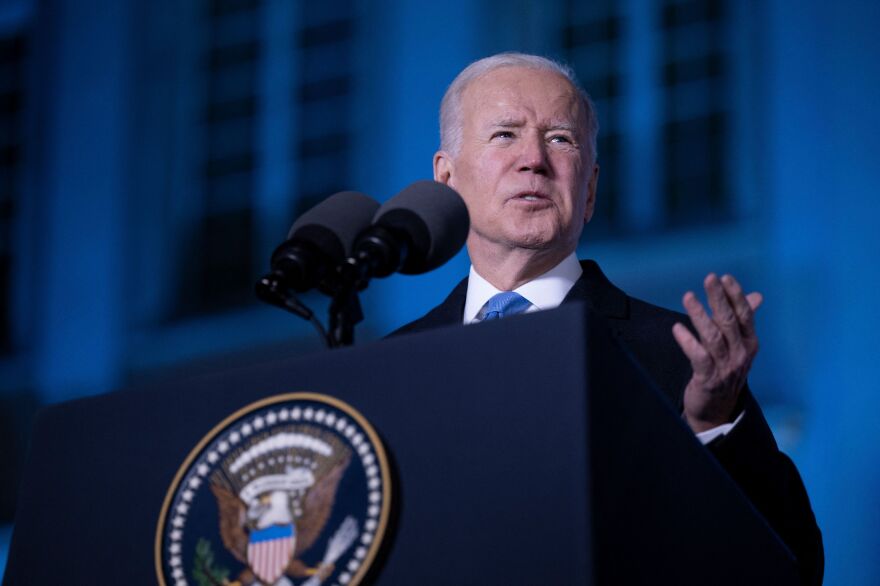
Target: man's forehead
506	96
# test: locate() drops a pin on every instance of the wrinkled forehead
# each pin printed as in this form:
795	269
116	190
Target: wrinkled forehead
510	92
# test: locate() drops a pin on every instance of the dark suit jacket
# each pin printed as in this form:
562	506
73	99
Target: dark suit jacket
748	453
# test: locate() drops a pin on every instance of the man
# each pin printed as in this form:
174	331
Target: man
518	142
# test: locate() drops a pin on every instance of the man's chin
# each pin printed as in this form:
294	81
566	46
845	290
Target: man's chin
554	242
531	238
535	241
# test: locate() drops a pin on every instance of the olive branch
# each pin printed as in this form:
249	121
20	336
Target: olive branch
204	572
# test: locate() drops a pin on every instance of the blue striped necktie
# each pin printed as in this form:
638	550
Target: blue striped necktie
504	304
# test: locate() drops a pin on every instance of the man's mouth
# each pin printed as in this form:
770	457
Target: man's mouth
531	196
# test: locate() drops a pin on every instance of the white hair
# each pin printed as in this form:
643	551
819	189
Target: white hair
451	123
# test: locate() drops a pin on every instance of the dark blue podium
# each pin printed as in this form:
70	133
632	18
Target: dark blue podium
526	451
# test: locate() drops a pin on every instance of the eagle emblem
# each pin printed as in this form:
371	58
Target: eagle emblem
296	489
274	499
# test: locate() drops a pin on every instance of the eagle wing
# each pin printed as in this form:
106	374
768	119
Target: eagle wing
232	519
317	506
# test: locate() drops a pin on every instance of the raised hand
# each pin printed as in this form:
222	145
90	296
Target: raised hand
723	354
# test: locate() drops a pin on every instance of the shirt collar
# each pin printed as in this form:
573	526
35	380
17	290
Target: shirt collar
544	292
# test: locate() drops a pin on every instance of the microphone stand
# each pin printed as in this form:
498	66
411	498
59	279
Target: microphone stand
345	312
345	305
379	253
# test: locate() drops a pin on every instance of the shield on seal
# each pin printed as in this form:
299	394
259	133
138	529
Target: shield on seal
270	551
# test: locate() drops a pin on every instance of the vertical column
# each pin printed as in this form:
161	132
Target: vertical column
81	192
273	200
642	206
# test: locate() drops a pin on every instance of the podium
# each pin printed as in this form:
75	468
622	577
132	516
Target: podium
530	450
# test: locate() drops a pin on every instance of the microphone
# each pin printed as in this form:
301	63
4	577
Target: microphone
347	239
414	232
319	242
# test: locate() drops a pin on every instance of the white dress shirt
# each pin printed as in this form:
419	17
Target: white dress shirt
547	292
544	292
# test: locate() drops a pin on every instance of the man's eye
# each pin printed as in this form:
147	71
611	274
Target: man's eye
502	134
560	138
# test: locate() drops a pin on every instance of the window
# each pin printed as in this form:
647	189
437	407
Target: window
324	96
695	129
12	63
221	237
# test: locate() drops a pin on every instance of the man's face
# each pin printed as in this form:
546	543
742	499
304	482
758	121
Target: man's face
523	167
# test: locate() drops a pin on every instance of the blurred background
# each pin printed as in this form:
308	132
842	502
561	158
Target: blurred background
152	155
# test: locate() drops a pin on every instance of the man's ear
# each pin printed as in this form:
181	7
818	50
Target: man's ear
591	194
442	167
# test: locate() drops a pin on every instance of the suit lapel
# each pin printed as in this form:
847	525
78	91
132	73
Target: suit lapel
450	312
447	313
600	294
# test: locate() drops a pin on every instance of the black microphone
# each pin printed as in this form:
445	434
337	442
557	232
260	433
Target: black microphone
414	232
320	241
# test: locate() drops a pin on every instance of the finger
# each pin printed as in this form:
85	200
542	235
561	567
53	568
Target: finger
755	300
742	305
701	361
710	336
723	312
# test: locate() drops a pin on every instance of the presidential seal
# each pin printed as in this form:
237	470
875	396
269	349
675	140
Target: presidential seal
293	490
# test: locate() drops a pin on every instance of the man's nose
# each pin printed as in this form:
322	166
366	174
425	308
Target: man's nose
533	157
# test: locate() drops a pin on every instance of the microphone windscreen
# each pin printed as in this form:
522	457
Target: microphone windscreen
435	219
333	224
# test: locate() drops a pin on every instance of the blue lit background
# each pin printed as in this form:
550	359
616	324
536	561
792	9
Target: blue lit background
153	154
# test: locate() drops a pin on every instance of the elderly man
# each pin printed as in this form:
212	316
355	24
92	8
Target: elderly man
518	142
